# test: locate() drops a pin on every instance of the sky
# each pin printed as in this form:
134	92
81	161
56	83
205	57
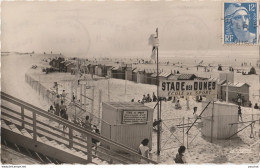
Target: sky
107	29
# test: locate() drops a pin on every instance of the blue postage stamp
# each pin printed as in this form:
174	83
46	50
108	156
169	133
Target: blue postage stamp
240	23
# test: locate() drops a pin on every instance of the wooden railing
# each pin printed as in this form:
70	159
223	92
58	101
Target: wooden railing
31	118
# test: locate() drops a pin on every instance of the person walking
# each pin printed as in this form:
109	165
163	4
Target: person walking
57	105
144	150
63	112
240	113
87	125
63	95
180	158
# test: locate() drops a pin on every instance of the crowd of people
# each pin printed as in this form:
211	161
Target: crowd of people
59	108
147	98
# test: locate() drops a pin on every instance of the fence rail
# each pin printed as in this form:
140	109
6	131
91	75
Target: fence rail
39	128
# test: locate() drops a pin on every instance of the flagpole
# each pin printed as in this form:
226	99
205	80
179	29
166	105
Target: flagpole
158	101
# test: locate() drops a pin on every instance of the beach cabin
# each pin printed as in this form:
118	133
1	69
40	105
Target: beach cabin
91	68
84	69
121	72
129	72
219	84
109	72
69	66
236	90
62	66
127	123
220	125
258	63
154	78
57	63
115	71
51	63
106	69
96	70
164	75
186	77
147	75
99	70
134	72
140	76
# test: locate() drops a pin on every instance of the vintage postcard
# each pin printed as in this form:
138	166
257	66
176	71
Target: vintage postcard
130	83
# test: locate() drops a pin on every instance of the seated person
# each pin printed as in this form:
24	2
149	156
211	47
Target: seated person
144	99
256	106
177	105
148	98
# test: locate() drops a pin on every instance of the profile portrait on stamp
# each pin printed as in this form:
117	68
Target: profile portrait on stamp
240	23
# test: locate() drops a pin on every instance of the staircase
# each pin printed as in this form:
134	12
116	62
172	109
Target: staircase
37	131
22	137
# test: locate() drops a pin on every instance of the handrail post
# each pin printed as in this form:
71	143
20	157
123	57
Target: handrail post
34	127
89	148
22	116
70	137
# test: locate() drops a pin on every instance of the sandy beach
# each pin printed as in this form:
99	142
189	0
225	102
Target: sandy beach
242	149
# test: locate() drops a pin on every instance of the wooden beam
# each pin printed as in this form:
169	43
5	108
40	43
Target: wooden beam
243	122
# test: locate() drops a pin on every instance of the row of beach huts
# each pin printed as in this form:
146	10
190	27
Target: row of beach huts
148	76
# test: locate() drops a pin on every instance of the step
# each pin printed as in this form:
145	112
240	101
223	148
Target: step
15	129
4	125
45	140
26	133
53	142
99	162
38	138
82	155
73	151
65	148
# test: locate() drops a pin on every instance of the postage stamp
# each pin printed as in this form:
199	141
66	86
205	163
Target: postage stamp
240	23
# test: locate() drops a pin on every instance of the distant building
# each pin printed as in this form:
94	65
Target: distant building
235	91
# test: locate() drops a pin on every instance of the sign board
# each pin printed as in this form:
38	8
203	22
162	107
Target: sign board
187	88
133	117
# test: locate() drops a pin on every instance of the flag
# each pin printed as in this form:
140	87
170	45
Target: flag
153	55
154	42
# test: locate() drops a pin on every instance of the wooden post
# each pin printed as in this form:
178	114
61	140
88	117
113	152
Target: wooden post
188	133
211	138
99	106
76	92
188	103
71	138
80	95
71	89
34	128
89	148
226	89
158	108
92	104
183	131
108	89
125	86
85	97
22	116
